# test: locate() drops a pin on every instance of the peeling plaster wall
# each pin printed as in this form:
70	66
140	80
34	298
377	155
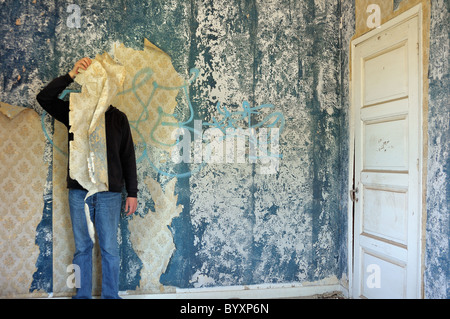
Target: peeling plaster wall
437	256
235	226
244	227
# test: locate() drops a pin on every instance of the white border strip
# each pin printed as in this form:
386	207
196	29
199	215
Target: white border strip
265	291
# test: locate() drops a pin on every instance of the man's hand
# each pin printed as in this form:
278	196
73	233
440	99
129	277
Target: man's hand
130	205
83	63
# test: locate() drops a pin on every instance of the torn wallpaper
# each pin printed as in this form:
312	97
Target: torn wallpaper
149	100
22	179
87	160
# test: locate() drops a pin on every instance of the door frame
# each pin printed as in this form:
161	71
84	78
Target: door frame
414	11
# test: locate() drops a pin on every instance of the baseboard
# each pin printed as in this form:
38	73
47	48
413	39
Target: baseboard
265	291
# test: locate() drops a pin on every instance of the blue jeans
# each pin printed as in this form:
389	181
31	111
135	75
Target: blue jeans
105	213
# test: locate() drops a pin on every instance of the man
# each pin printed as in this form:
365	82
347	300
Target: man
104	207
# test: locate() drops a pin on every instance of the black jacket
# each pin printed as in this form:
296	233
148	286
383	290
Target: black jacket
119	142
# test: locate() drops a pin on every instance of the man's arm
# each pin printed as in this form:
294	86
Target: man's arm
128	160
48	97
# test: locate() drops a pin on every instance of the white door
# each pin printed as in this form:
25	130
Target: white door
386	106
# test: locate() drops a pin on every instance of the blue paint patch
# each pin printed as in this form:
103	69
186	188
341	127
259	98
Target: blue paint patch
271	212
130	263
43	276
396	4
28	56
183	263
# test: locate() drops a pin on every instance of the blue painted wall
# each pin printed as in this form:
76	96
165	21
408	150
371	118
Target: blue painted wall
437	258
239	227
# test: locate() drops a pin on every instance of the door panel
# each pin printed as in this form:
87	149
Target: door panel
385	80
386	144
384	213
391	282
385	75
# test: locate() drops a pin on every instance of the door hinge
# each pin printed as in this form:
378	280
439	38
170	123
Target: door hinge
353	193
